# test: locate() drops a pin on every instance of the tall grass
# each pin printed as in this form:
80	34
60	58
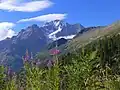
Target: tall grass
91	68
81	74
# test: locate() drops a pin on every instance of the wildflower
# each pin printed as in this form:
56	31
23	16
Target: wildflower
54	51
38	63
9	73
49	63
33	63
26	57
31	57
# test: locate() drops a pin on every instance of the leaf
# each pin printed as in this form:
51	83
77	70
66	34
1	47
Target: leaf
92	55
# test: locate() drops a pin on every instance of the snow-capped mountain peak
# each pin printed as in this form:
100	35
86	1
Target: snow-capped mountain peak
53	34
56	23
58	28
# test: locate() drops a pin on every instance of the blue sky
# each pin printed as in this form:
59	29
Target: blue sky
18	14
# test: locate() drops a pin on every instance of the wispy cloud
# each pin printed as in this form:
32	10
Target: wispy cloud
16	5
6	30
45	18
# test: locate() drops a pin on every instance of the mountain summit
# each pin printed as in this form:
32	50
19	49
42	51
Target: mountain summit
59	29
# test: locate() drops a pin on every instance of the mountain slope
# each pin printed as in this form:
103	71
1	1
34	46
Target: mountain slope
92	34
12	50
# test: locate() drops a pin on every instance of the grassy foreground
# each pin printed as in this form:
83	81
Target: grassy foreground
95	67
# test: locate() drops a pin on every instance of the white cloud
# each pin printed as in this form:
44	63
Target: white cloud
6	30
45	18
17	5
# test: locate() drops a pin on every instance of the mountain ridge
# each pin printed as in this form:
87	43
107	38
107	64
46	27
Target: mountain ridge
33	38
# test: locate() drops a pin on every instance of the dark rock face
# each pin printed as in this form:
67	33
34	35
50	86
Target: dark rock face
33	39
58	43
12	50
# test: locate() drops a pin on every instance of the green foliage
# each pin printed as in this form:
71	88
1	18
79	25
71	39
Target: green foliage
93	67
42	55
2	78
11	85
